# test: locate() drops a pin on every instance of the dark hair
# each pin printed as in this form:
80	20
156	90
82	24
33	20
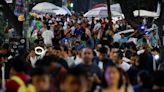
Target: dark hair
39	71
115	45
48	27
65	49
103	50
120	54
105	85
46	61
19	65
57	47
128	54
145	78
76	71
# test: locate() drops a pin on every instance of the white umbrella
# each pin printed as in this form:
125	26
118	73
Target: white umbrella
60	11
101	12
145	13
44	7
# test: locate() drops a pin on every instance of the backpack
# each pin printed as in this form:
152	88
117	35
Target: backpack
23	87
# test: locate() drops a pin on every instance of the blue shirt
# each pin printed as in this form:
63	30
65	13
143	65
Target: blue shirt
65	41
78	32
123	40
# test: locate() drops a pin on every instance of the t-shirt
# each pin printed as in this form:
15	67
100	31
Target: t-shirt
47	36
91	69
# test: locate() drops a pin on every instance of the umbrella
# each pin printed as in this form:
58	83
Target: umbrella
60	11
99	5
44	7
145	13
49	8
101	12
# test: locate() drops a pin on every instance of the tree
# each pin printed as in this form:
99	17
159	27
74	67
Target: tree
128	6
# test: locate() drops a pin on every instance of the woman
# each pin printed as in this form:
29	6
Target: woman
115	80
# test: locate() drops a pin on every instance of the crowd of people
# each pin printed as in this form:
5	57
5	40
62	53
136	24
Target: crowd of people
78	54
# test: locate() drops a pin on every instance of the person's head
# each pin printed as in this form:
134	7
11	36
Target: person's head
57	51
144	79
102	52
87	55
122	35
113	76
18	65
40	79
79	25
74	80
113	50
68	34
45	24
64	50
117	57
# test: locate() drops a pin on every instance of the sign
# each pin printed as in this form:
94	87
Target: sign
9	1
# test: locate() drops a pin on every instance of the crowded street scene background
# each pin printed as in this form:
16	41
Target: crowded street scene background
82	53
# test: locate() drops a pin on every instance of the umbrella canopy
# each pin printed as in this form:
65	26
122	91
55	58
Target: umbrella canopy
60	11
101	12
99	5
50	8
45	7
145	13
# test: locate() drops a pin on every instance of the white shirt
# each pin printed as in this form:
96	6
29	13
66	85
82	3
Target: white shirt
78	60
47	36
125	66
97	27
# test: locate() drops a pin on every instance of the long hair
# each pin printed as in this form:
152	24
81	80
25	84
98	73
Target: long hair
121	80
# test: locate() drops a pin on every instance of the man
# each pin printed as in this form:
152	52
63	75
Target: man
67	40
104	61
117	58
78	31
93	71
123	39
66	57
75	81
41	79
48	36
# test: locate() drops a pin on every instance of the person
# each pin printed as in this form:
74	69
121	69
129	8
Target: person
39	40
65	55
19	78
114	48
78	31
40	79
144	82
32	58
115	81
117	58
103	58
93	71
48	36
123	39
67	40
56	70
87	57
75	81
